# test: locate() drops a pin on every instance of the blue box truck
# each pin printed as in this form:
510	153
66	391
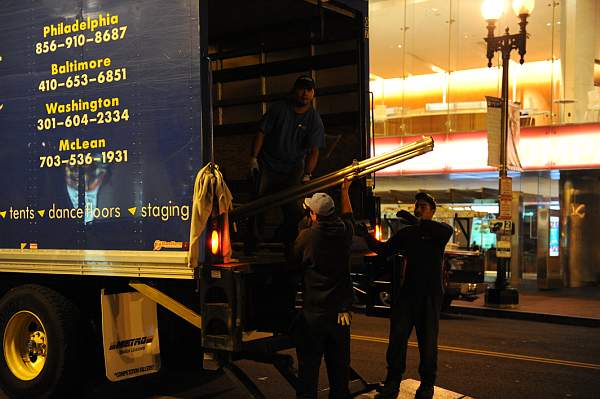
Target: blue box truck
108	109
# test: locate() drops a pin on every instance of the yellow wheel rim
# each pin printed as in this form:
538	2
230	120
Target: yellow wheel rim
25	345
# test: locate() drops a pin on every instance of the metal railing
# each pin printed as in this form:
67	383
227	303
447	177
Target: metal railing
357	170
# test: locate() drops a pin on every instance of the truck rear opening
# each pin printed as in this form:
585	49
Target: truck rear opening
255	62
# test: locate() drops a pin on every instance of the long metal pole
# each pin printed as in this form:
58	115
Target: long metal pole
504	122
356	170
417	145
501	264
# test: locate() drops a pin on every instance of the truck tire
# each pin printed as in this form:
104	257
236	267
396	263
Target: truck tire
38	333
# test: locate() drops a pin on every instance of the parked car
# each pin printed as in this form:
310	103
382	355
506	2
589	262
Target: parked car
374	282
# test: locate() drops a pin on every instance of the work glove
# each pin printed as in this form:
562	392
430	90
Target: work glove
306	178
253	166
407	217
344	318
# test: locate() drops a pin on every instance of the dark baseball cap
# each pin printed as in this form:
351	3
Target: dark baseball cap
304	82
427	198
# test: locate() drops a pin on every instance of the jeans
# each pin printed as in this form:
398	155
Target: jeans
318	337
423	313
271	182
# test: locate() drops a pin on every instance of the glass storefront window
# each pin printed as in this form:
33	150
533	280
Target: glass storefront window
429	76
472	197
429	73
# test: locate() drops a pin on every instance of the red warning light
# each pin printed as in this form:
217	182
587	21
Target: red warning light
378	234
214	242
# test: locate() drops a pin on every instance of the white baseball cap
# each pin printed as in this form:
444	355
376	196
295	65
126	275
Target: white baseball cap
321	204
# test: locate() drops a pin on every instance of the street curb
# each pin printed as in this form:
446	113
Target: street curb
520	315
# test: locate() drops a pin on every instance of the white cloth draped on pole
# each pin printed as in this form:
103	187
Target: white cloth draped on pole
209	187
513	162
494	126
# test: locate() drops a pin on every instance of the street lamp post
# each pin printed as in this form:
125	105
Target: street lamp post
500	294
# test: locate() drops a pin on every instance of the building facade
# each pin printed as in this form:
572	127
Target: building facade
429	76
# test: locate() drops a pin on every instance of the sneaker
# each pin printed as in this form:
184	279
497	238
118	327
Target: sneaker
424	392
389	390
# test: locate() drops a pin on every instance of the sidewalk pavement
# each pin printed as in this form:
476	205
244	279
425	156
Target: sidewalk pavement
576	306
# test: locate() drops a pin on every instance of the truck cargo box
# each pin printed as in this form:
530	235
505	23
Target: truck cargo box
106	108
100	126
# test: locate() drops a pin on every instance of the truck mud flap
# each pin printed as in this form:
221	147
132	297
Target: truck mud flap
130	335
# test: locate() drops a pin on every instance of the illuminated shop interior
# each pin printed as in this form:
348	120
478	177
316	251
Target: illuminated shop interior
429	76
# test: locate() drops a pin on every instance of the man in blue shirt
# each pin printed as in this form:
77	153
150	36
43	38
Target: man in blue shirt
286	150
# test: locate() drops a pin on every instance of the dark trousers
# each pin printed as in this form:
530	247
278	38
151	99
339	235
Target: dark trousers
270	182
318	337
423	313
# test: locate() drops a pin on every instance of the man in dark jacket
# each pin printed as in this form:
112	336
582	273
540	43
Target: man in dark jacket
322	252
419	299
